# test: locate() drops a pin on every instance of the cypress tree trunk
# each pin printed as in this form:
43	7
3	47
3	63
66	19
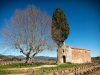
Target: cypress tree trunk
58	55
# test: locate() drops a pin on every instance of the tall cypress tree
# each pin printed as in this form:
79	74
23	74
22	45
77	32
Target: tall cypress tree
60	27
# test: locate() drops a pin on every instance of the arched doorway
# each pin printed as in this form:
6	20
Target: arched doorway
64	59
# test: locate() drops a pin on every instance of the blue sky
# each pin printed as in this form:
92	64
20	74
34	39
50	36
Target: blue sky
83	17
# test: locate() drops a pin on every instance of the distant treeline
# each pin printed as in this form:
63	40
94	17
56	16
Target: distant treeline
11	59
95	59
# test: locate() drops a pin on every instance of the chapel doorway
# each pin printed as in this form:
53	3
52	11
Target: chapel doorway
64	59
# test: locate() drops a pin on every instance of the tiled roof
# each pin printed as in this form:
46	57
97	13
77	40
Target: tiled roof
78	48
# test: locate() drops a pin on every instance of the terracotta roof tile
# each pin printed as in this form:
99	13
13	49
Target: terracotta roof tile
78	48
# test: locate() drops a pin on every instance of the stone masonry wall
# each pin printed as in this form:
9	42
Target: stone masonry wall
67	54
64	51
80	56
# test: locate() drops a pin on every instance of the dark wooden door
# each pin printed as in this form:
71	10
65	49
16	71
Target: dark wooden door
64	59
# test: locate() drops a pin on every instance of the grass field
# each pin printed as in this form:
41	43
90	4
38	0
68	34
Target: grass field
9	69
62	66
46	70
19	65
4	72
4	69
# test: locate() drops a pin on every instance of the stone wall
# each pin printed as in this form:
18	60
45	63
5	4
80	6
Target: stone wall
80	55
64	51
73	55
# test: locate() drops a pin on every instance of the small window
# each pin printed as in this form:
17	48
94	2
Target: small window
63	50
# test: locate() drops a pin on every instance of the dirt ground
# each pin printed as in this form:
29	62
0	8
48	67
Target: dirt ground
97	73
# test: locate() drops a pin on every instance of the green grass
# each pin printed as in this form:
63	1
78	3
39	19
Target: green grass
4	68
24	65
19	65
68	65
60	66
4	72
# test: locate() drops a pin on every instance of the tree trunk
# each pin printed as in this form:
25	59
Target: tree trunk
28	60
58	54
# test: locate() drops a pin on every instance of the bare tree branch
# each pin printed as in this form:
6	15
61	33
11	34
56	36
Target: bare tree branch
29	31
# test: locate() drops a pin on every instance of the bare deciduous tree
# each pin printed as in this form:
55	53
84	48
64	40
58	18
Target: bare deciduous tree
29	31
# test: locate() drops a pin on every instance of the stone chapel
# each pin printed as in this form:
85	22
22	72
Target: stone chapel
67	54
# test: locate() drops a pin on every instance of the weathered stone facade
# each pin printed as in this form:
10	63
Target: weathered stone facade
67	54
